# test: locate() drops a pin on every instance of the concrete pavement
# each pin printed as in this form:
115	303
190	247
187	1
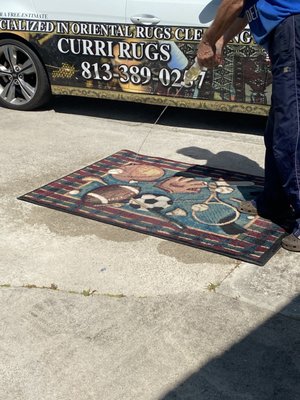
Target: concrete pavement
92	311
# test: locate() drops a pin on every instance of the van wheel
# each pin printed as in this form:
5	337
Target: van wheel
24	83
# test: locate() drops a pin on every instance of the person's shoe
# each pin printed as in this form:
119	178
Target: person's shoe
291	242
285	219
248	207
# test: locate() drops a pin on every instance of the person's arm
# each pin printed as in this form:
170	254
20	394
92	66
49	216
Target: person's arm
236	27
227	13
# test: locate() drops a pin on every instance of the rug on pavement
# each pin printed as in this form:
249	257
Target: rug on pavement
189	204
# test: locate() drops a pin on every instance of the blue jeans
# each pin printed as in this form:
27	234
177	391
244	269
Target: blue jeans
282	135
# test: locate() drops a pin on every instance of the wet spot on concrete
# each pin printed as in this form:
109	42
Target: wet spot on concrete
75	226
191	255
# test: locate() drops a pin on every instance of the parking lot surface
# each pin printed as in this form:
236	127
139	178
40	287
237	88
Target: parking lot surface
92	311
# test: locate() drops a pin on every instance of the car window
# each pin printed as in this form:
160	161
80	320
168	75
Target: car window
83	10
173	12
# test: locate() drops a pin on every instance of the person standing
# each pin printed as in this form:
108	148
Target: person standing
275	24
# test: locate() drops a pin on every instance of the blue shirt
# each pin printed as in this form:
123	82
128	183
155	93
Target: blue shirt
264	15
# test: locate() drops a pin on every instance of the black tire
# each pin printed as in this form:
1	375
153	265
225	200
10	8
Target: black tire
24	82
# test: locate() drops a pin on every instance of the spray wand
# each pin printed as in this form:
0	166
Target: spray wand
190	76
193	72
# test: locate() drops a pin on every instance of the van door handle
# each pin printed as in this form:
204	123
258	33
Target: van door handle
144	19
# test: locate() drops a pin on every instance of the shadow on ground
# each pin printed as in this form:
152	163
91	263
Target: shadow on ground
265	365
173	116
224	159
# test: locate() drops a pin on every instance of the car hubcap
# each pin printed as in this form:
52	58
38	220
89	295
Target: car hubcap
18	75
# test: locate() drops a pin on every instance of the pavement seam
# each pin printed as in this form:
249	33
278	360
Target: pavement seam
211	287
54	287
279	312
94	293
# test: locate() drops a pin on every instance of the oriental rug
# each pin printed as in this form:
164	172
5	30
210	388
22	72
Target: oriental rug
189	204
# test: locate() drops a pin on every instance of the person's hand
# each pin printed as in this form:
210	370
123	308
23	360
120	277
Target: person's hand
210	56
206	54
219	51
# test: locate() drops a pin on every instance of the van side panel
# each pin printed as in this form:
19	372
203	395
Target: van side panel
146	64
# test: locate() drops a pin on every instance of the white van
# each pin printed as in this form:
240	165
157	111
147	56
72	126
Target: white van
134	50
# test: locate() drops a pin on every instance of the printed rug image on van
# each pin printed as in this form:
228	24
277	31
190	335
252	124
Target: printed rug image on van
189	204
